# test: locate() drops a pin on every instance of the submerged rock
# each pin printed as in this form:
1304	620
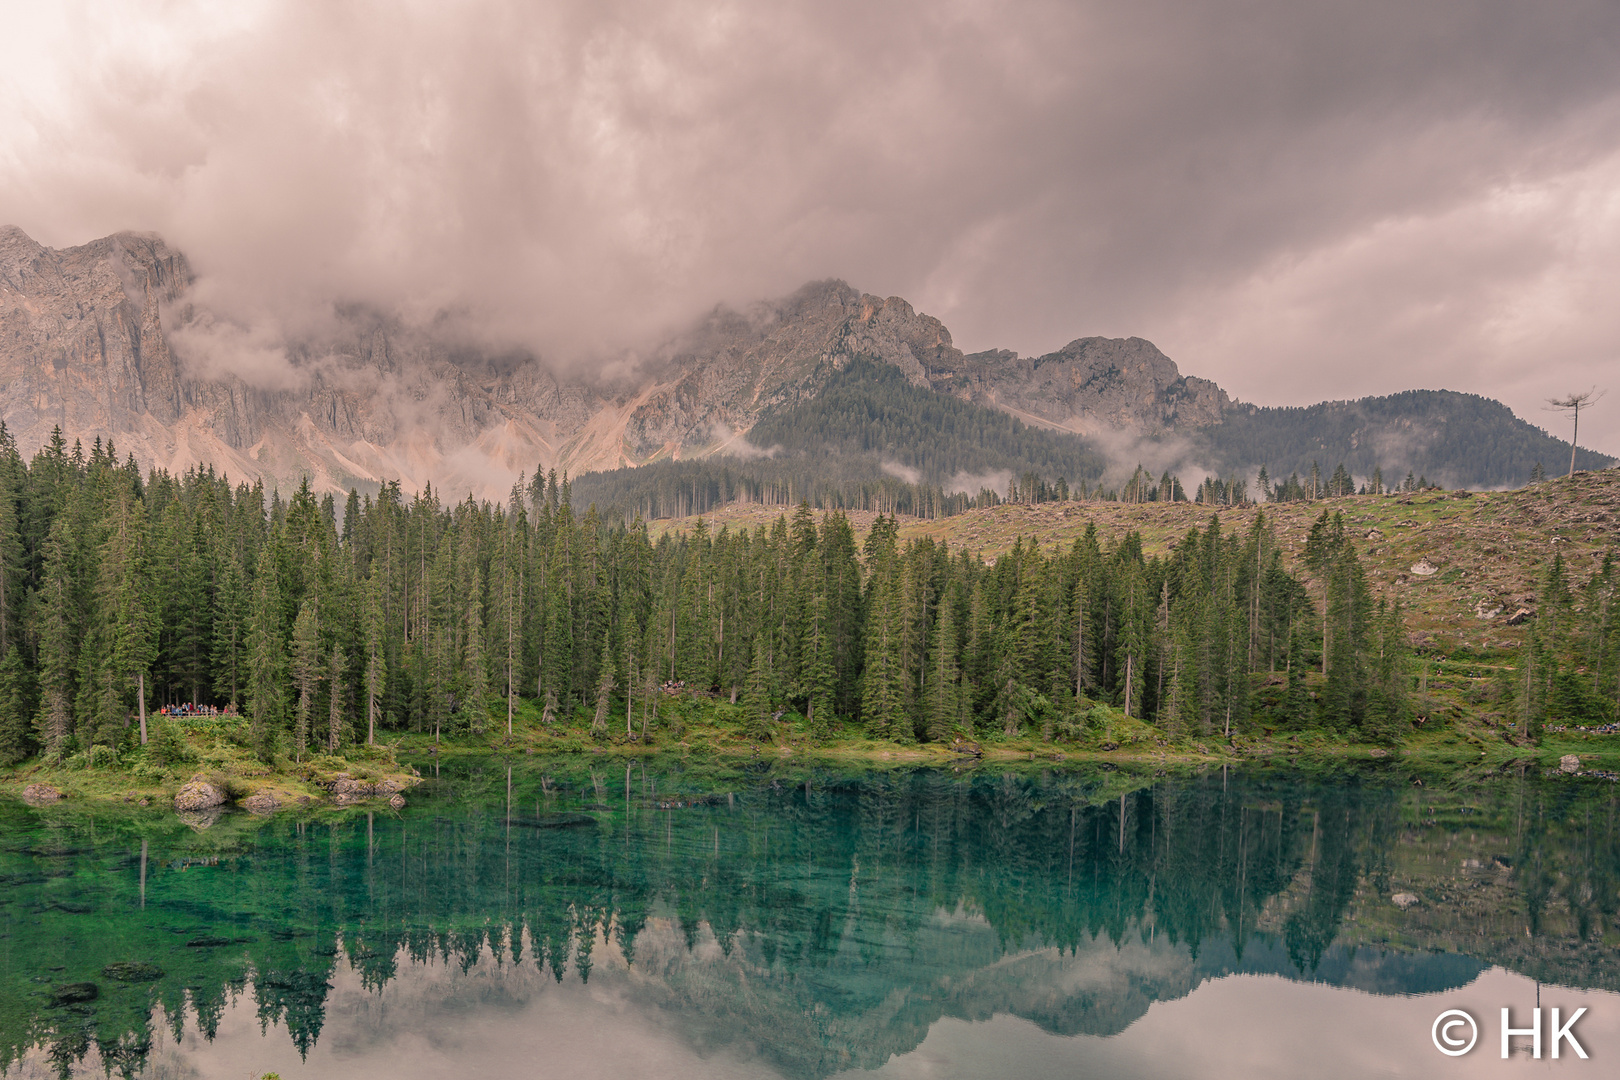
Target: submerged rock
74	993
556	821
41	793
198	794
132	971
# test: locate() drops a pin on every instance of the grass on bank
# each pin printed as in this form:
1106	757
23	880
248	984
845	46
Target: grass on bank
218	749
1453	729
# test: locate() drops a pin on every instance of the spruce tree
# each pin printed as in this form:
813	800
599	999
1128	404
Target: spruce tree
942	700
13	476
556	657
882	691
605	685
476	666
266	658
337	698
756	701
306	670
507	588
131	626
1133	638
58	628
376	673
232	615
17	707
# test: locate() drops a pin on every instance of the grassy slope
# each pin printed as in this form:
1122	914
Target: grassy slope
1488	548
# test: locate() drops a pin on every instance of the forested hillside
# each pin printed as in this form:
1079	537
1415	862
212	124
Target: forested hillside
869	440
870	409
1456	440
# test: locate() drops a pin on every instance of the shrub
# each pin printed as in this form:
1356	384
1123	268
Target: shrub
167	745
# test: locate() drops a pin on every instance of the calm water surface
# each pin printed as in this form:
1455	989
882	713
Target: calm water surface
576	919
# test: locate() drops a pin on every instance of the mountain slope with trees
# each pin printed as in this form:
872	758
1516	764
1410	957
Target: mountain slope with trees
870	439
1455	440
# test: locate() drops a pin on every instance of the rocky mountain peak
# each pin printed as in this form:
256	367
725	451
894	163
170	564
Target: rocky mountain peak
1088	385
86	335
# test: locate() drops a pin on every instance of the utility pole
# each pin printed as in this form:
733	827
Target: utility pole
1574	403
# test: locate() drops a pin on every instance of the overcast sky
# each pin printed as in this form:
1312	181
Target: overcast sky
1298	199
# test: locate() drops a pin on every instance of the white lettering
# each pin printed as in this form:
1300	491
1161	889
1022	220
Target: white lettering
1534	1029
1559	1034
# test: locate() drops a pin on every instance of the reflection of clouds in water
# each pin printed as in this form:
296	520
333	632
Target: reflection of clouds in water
436	1021
684	1011
1255	1026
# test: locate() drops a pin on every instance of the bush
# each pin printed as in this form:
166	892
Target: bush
167	745
1072	726
96	757
375	752
149	772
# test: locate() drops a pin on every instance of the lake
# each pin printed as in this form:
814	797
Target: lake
587	918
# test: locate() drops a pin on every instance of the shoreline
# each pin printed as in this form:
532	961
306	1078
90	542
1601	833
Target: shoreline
388	771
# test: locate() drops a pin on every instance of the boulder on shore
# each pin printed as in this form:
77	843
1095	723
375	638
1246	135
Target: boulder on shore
1569	763
198	794
261	802
346	789
41	793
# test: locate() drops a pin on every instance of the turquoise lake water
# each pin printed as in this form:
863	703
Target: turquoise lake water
578	919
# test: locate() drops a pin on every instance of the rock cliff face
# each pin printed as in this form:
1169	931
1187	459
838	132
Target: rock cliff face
1088	385
103	340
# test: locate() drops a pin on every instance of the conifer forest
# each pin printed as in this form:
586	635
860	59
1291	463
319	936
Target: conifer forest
321	627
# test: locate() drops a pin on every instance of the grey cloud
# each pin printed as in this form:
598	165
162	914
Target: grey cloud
1285	196
900	471
966	483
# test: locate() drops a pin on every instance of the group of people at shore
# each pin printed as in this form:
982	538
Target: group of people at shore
189	709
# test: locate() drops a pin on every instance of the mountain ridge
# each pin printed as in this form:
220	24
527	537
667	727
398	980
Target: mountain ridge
108	339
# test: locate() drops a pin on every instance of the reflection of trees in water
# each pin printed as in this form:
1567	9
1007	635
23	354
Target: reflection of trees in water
1566	864
857	910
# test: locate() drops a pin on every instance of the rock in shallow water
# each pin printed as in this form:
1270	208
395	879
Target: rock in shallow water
41	793
132	971
74	993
